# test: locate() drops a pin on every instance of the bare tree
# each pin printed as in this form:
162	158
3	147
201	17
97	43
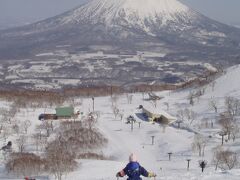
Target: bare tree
216	158
40	140
26	124
16	128
39	130
37	140
232	105
205	123
58	160
121	114
90	121
227	122
130	98
13	111
154	102
181	115
186	114
199	93
114	100
191	98
48	127
213	105
45	129
225	159
6	118
199	144
235	131
190	115
115	111
21	143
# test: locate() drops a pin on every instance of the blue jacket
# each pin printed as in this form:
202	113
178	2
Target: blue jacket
133	170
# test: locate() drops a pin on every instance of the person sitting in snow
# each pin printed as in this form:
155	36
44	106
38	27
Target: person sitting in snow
134	170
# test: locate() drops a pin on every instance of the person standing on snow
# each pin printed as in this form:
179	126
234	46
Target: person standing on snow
134	170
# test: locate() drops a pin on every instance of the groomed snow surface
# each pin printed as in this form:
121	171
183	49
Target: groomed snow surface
123	141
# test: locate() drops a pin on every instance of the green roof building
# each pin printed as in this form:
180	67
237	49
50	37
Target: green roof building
64	111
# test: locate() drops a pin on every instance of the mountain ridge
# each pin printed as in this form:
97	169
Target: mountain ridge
117	44
119	23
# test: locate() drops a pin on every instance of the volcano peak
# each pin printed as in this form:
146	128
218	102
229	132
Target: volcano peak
108	11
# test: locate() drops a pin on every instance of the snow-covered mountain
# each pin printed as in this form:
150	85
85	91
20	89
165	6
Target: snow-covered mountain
134	12
126	27
124	22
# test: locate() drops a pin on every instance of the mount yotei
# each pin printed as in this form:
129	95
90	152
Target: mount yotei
118	42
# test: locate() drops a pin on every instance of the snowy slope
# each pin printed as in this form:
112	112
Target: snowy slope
122	141
154	157
228	85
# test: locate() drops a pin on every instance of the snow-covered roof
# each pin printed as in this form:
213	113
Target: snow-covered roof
159	111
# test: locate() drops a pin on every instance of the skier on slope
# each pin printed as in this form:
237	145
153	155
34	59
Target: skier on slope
134	170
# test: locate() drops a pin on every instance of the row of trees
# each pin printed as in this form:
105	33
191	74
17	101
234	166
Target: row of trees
73	139
229	118
223	157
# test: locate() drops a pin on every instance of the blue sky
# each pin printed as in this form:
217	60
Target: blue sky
14	12
226	11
